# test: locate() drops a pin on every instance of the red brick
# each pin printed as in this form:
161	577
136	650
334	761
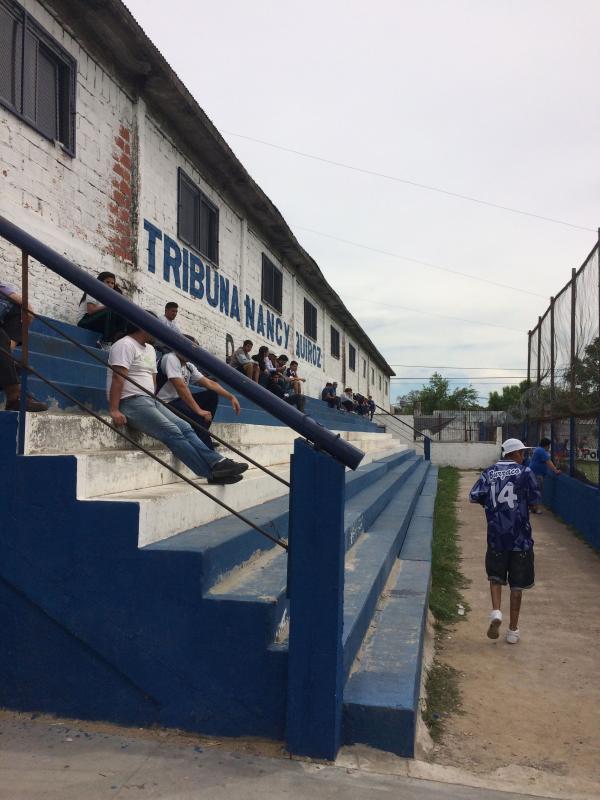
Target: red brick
119	170
124	132
126	149
124	215
119	198
125	161
120	142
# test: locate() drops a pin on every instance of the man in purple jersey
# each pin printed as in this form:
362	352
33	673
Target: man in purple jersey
507	490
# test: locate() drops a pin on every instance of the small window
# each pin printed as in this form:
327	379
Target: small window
37	76
272	284
351	358
364	368
335	342
197	219
310	320
380	383
386	388
372	376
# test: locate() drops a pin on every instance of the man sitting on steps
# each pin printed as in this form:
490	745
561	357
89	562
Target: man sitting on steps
178	373
133	356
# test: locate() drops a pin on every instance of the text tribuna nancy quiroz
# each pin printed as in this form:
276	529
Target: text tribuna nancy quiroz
192	275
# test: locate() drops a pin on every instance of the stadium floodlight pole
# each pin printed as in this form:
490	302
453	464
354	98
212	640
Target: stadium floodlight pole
539	352
552	393
527	398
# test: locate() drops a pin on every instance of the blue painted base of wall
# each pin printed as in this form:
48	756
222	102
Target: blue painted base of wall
576	503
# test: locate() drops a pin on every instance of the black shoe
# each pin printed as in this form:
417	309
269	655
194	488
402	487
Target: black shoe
221	481
228	467
31	405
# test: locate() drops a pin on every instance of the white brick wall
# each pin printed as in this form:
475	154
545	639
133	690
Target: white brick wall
69	203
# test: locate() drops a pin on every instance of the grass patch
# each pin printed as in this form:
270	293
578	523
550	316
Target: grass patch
447	581
443	698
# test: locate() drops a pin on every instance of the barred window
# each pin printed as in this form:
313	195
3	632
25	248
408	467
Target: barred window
37	76
310	320
351	358
197	218
272	284
335	342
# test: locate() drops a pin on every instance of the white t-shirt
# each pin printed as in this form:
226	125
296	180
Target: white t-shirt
138	359
173	368
83	306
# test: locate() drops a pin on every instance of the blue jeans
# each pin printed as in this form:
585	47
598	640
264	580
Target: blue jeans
145	414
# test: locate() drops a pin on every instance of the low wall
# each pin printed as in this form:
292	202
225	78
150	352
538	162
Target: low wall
464	455
576	503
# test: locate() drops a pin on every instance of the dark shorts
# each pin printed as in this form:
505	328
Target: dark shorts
514	565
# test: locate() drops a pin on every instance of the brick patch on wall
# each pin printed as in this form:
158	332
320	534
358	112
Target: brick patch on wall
120	207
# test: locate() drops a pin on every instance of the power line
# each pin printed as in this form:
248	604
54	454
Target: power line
448	366
408	182
434	314
492	378
418	261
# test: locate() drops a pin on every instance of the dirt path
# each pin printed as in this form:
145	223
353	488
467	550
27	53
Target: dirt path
534	707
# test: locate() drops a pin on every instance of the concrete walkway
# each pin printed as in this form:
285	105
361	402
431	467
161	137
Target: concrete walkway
532	710
46	759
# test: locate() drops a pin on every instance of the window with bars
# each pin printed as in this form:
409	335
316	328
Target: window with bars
351	358
310	320
272	284
37	76
373	376
364	362
197	218
380	383
335	342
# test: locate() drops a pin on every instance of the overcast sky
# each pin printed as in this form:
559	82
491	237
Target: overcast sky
494	100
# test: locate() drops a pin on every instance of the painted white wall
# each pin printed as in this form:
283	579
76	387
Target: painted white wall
464	455
76	205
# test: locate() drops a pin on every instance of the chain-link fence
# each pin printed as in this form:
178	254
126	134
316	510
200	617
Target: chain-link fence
563	373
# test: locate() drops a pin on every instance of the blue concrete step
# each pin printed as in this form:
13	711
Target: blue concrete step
381	698
263	585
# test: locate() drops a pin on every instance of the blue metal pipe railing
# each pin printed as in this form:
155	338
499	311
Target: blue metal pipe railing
321	437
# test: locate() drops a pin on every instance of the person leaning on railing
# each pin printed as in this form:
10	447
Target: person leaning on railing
11	333
178	373
93	316
133	356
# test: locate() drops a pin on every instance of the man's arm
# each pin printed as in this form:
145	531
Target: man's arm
188	398
552	466
479	492
18	299
114	397
206	383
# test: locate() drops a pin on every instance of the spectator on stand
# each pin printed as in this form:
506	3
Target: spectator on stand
93	316
278	387
371	407
133	356
362	405
266	368
175	375
295	380
242	361
329	397
11	334
171	311
347	400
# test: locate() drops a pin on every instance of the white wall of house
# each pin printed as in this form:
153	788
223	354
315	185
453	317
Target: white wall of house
125	173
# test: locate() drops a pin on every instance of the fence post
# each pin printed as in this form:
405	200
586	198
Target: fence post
427	448
572	371
316	589
552	394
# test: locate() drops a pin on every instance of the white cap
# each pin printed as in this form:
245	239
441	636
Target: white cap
512	445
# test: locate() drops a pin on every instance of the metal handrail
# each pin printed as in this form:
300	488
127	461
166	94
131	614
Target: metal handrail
177	412
425	444
320	436
138	446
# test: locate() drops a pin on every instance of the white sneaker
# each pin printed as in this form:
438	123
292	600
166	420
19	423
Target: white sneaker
512	637
495	622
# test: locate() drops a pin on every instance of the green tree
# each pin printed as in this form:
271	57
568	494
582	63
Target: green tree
510	397
436	395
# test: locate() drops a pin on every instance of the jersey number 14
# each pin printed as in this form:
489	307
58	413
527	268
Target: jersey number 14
506	495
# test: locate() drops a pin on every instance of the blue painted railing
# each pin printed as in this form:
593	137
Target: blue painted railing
307	427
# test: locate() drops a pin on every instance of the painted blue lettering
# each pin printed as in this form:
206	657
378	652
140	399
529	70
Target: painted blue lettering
319	357
309	351
278	327
224	295
234	309
196	276
171	260
260	322
186	270
213	300
286	330
249	307
298	353
153	234
270	326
